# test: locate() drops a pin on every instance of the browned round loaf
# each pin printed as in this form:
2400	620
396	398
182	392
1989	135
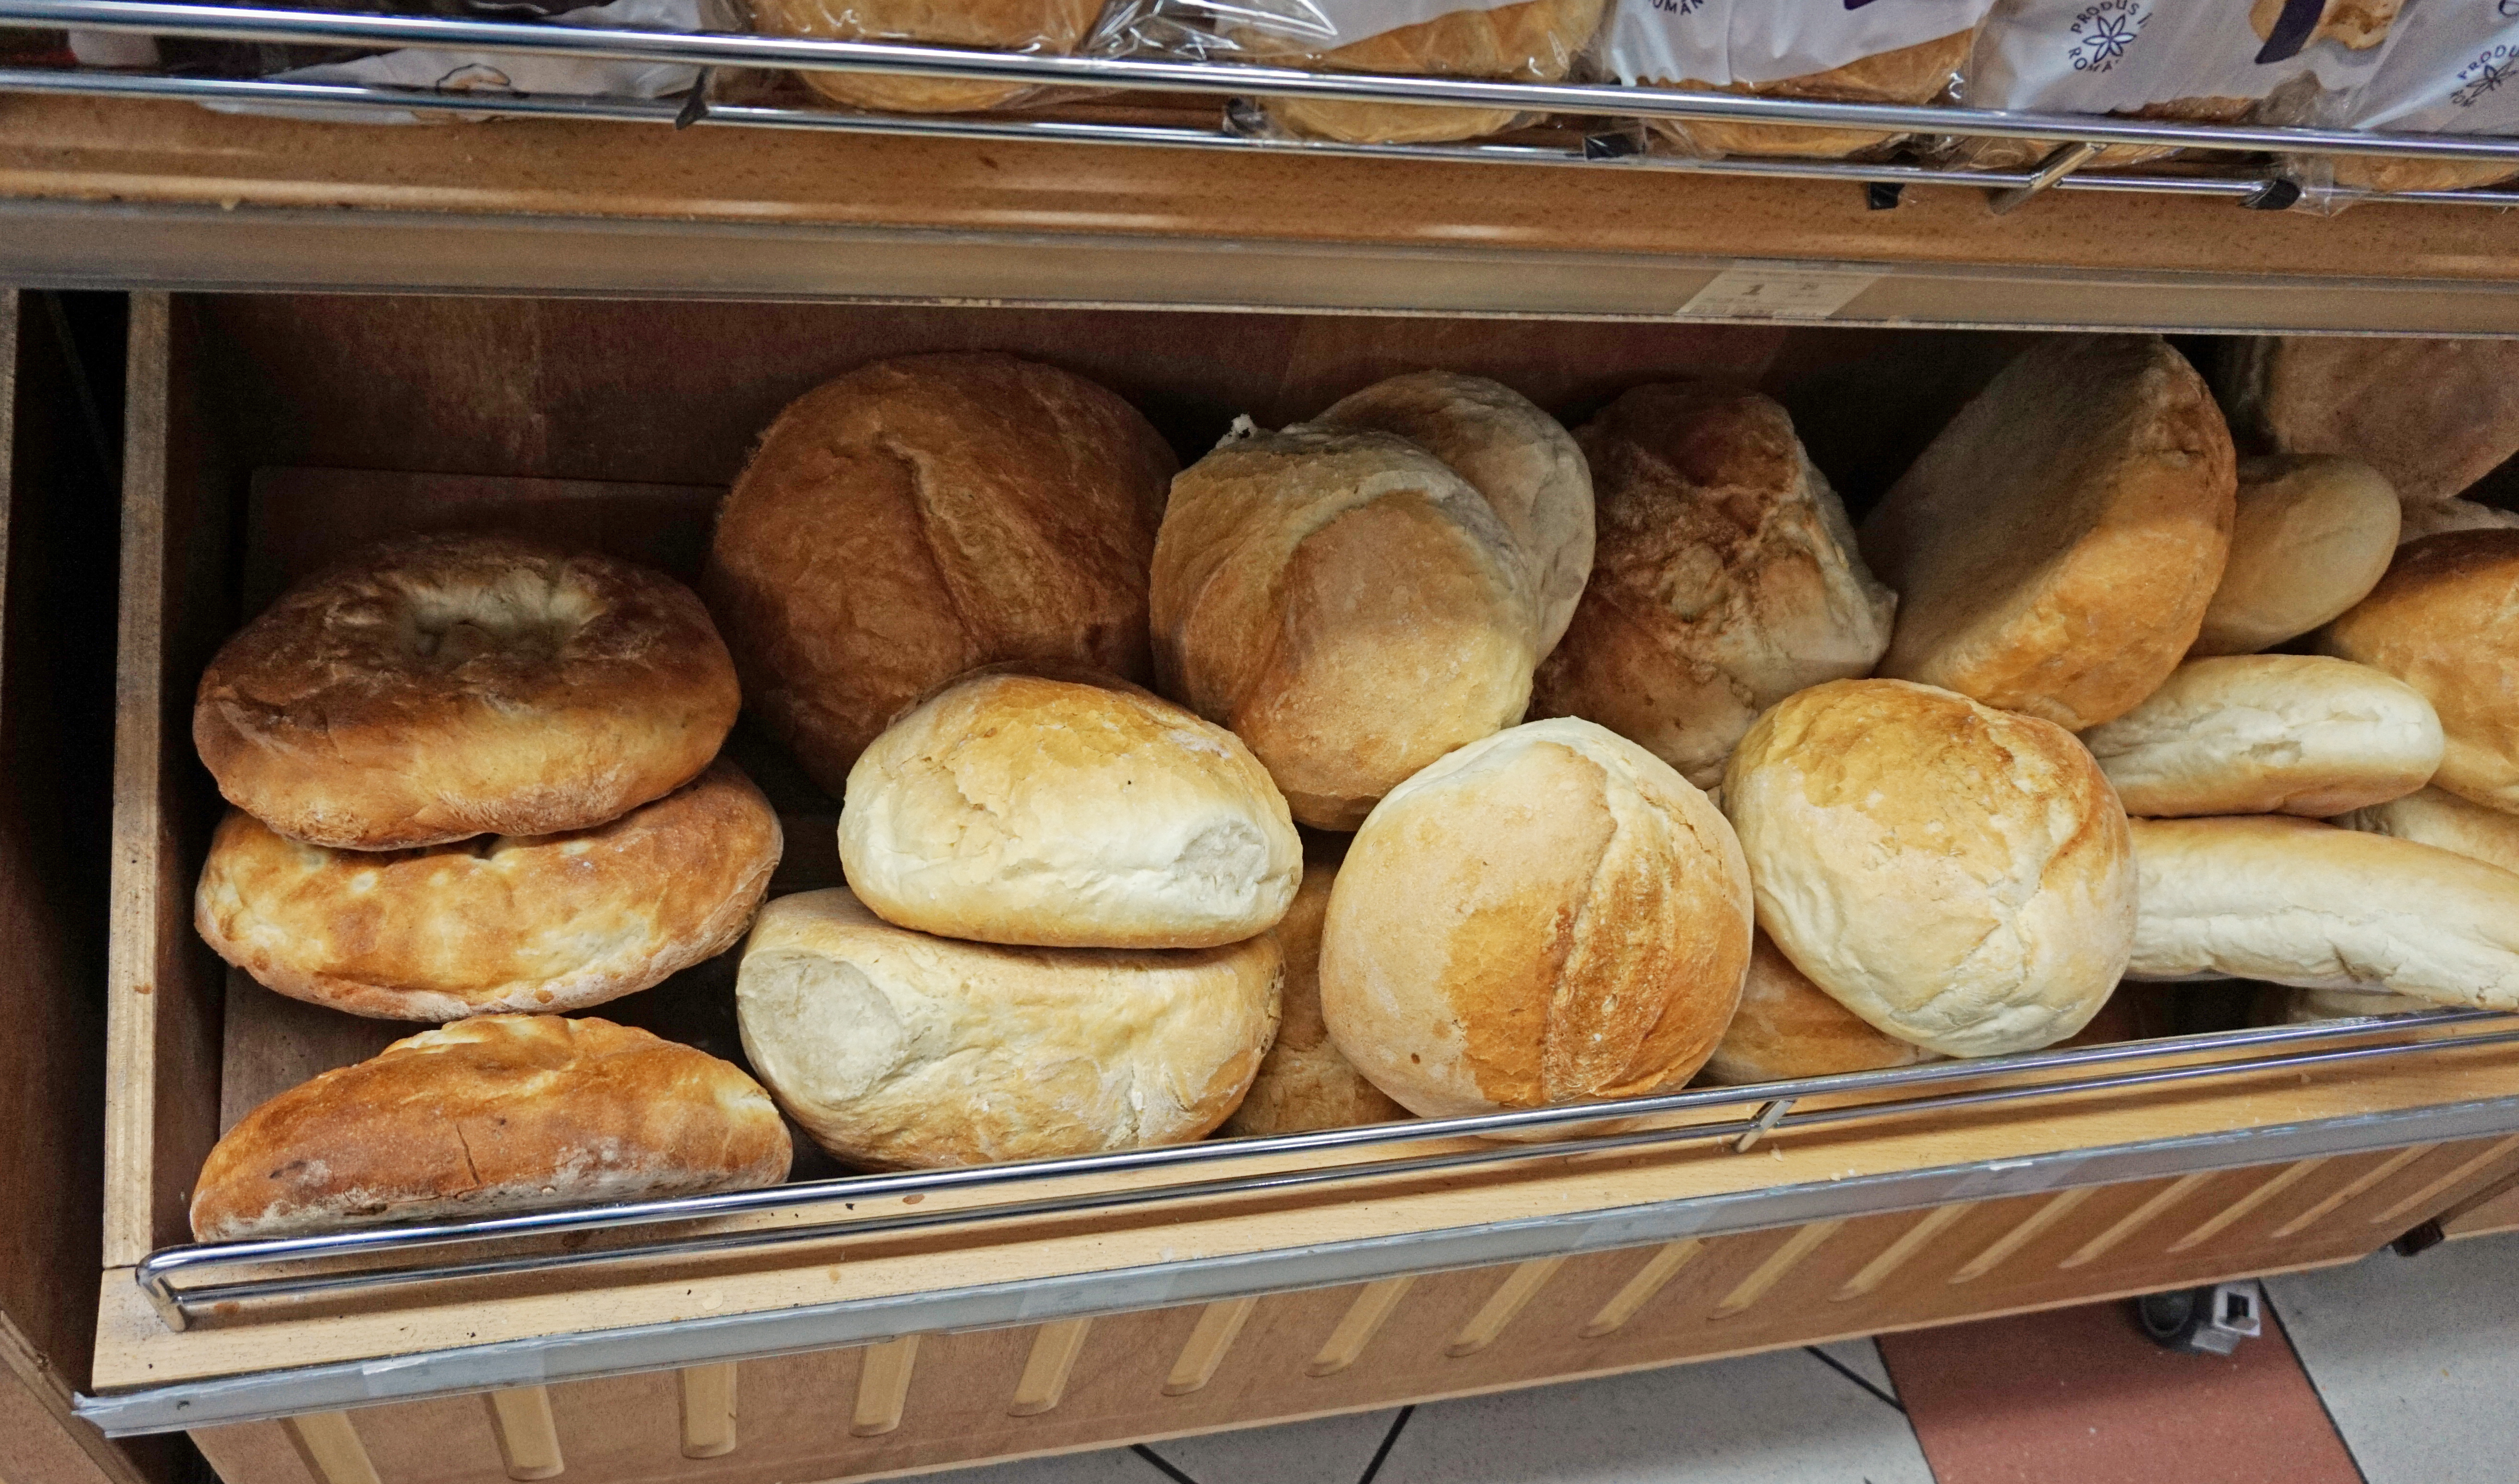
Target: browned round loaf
1051	26
1534	41
1551	915
444	686
2433	416
487	1117
2313	535
921	516
1724	578
1910	74
1787	1027
1351	607
496	922
1305	1082
2446	621
2055	548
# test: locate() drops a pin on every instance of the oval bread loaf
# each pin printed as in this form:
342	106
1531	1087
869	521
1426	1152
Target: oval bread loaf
2292	901
1550	915
1053	28
2269	734
897	1050
2441	819
1787	1027
2446	621
1957	876
2311	536
1532	41
1305	1082
491	1117
1351	607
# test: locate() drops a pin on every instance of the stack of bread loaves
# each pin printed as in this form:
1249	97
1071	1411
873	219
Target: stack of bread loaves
473	775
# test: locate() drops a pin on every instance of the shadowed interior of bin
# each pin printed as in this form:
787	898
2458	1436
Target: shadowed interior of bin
329	422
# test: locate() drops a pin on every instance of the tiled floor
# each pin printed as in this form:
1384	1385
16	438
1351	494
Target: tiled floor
2393	1370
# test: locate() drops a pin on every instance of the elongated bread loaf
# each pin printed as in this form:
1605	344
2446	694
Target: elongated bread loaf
2442	819
2292	901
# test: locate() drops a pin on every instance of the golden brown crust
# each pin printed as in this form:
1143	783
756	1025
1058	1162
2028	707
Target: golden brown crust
2313	535
443	686
2433	416
1305	1082
1535	41
1788	1027
2056	546
2446	621
1040	26
1724	578
495	924
1911	75
1551	915
920	516
491	1117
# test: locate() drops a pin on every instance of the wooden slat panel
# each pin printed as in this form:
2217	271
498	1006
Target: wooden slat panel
1519	1287
520	1419
1891	1258
2053	1210
1356	1328
883	1386
708	1397
2419	1203
2380	1170
1055	1349
328	1445
1659	1269
1219	1326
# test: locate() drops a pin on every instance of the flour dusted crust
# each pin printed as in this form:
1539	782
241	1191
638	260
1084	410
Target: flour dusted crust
1957	876
1347	604
2056	546
491	1117
923	515
1551	915
2446	621
898	1050
1724	578
438	687
1534	41
496	922
1305	1082
1042	27
1066	810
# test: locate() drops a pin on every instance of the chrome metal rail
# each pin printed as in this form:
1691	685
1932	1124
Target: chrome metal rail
301	1268
1135	73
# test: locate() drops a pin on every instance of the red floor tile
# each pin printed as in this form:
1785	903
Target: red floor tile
2082	1395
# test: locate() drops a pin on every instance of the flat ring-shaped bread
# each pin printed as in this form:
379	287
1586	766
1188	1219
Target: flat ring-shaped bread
499	923
445	686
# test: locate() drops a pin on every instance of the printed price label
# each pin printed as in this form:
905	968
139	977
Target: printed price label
1772	293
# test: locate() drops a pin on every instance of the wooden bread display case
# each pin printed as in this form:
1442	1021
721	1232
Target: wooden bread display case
846	1326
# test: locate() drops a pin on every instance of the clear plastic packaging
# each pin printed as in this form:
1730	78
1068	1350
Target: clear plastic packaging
1036	27
1876	51
1519	41
2190	60
2450	67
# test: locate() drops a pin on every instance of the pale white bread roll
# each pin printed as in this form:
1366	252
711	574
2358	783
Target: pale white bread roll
1053	28
1348	605
1725	577
2269	734
1510	451
2056	546
2292	901
1957	876
1068	811
2313	536
1551	915
1787	1027
2433	416
2303	1006
2446	621
1532	41
2452	515
2442	820
1306	1081
902	1051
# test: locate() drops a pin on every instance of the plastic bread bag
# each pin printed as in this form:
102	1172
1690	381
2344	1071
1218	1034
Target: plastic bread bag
1030	28
1516	40
1841	51
2452	68
2188	61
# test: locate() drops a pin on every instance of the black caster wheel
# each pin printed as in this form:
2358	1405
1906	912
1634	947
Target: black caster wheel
2208	1321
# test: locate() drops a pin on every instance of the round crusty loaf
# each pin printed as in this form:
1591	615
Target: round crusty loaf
1533	41
898	1050
1956	875
1305	1082
2054	549
1788	1027
1725	579
1550	915
1351	607
2433	416
496	922
442	686
1910	74
2292	901
2442	820
1052	26
1521	460
491	1117
2446	621
1070	810
2311	536
920	516
2269	734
